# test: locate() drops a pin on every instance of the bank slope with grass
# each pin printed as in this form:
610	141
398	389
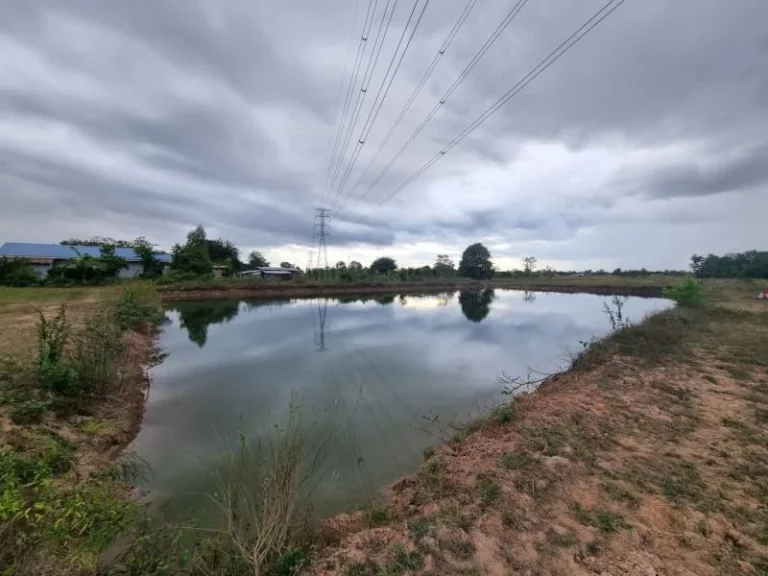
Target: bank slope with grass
72	387
250	288
650	456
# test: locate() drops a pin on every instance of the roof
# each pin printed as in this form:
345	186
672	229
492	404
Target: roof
276	270
61	252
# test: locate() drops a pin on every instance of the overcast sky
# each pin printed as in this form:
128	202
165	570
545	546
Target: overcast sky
648	141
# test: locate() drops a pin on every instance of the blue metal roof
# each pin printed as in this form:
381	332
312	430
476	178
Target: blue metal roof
60	252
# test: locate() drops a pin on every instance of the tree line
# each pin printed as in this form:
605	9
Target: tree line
751	264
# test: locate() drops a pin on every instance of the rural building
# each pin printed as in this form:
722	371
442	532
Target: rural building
272	273
43	257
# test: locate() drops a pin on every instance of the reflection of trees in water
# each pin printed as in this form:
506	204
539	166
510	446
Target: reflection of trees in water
197	316
529	296
476	304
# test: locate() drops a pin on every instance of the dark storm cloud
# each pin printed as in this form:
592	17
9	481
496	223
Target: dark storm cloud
743	170
156	116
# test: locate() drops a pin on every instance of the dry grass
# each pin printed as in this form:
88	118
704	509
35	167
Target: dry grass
19	312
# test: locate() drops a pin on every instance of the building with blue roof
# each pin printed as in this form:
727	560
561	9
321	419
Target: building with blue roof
43	257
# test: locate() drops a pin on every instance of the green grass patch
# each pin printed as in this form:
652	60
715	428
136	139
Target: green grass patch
377	516
490	491
516	460
604	519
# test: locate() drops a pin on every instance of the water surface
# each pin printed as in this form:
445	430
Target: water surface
379	371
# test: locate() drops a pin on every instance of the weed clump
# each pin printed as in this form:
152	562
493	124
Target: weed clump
690	293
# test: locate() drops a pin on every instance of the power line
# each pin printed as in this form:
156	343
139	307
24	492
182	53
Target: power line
566	45
371	66
443	48
367	23
379	100
444	98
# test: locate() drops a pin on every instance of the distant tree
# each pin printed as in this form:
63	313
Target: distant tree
83	267
286	265
476	263
224	253
476	305
341	265
256	260
146	251
97	241
529	264
355	265
110	262
383	265
697	264
193	256
444	266
616	272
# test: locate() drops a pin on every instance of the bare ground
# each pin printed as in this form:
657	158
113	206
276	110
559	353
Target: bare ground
642	461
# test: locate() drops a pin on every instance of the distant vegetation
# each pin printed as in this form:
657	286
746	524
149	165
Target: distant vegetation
752	264
196	259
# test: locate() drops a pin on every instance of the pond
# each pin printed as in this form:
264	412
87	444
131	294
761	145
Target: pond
386	374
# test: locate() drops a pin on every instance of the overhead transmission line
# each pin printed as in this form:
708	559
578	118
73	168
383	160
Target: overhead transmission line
370	68
441	51
511	15
379	100
603	13
367	23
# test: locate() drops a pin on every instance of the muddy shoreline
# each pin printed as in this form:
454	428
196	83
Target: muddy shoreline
299	291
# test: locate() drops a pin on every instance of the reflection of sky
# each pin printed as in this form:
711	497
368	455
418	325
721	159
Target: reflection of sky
383	368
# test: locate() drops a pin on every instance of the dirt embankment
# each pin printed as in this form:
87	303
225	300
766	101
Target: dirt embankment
298	290
650	458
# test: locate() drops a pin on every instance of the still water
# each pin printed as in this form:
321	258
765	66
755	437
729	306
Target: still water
393	369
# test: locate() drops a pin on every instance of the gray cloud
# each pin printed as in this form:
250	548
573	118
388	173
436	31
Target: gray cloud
147	119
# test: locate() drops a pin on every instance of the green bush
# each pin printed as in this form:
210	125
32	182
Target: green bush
95	353
135	309
689	293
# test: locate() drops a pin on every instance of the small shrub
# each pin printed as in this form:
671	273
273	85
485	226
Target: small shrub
96	351
134	310
516	460
28	412
290	563
689	294
57	377
377	516
490	492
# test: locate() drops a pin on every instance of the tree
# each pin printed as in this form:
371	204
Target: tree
476	263
256	260
383	265
286	265
355	265
444	266
110	262
529	264
697	264
224	253
97	241
146	251
341	265
193	257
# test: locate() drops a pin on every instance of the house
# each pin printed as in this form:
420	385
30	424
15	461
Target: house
43	257
272	273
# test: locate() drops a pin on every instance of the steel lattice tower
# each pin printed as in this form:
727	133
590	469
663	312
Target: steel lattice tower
322	231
